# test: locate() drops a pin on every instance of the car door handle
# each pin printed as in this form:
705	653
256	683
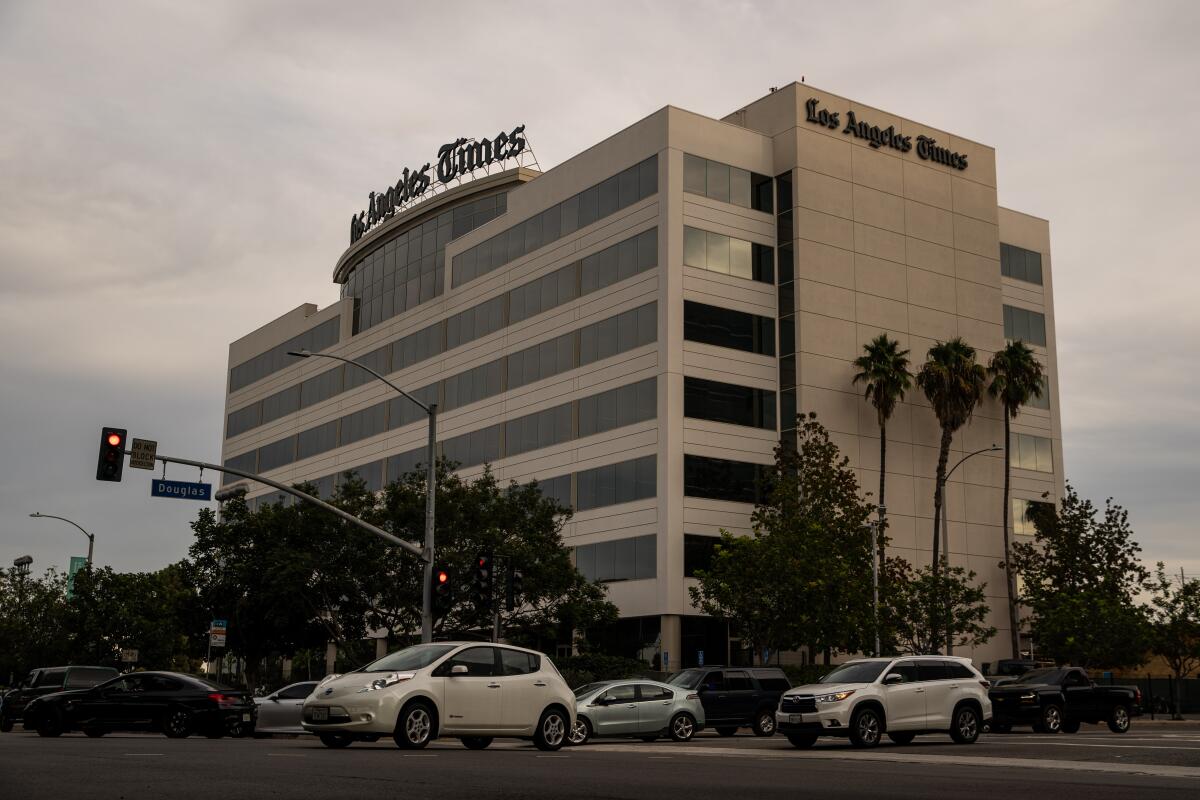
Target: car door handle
919	691
666	702
632	705
493	686
539	683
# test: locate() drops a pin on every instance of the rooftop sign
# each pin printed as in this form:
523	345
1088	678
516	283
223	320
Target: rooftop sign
455	160
927	148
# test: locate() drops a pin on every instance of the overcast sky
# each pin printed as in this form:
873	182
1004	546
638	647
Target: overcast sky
174	175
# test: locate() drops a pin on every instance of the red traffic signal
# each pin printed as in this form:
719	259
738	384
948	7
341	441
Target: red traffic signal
442	577
114	439
112	454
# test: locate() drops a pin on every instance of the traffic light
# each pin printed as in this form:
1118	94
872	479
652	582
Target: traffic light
112	454
516	583
481	587
441	588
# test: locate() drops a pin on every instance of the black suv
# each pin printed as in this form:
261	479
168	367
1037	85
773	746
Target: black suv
48	680
735	697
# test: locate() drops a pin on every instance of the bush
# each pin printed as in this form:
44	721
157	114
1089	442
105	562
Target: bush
591	667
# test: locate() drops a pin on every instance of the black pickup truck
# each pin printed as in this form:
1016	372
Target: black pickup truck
47	680
1059	699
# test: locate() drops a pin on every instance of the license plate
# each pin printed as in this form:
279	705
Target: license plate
245	717
795	719
320	714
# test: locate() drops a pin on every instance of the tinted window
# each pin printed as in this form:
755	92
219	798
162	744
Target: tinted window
82	677
728	403
724	327
957	669
932	671
907	670
688	679
479	661
738	681
855	672
297	692
161	683
713	682
652	692
620	694
697	553
722	479
51	677
515	662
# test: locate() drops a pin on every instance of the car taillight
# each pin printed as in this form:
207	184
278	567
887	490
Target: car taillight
222	700
693	696
986	684
1137	696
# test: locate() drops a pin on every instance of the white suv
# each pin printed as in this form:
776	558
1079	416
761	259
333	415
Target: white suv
466	689
901	697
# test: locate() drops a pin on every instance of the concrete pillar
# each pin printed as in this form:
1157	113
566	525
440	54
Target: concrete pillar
381	647
671	630
330	657
286	668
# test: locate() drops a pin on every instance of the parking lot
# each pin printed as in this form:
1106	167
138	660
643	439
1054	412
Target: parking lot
1151	761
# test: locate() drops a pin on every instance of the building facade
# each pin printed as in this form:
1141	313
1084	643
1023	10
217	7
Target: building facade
637	328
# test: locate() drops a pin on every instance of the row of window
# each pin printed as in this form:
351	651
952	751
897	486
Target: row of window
617	334
1032	452
718	181
1017	262
1021	521
729	403
724	479
727	255
314	339
1028	326
600	270
594	203
725	327
629	559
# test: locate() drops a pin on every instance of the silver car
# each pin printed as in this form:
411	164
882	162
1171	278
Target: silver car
637	708
280	712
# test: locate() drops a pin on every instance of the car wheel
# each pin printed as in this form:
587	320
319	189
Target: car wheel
803	741
551	731
726	731
683	727
866	727
476	742
414	729
764	723
50	723
581	731
1118	720
94	733
336	741
965	726
1069	725
177	724
902	738
1001	727
1051	721
239	730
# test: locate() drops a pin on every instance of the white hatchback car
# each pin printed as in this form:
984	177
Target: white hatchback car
469	690
902	697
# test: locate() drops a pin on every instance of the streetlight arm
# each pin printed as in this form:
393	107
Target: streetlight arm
360	365
64	519
992	449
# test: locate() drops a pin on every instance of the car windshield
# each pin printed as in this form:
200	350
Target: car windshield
1040	676
410	658
586	689
855	672
688	679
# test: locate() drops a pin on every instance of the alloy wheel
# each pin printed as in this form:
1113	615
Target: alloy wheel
1052	719
1120	719
553	730
683	728
417	726
579	732
968	724
868	728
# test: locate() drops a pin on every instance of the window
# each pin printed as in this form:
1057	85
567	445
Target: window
277	454
321	387
774	684
620	694
1042	401
957	669
738	682
246	462
618	407
595	203
907	670
514	662
378	359
1025	325
1032	452
84	677
722	479
363	424
317	440
729	403
479	661
255	369
650	692
51	677
243	420
698	553
728	184
1017	262
618	560
623	482
717	252
296	692
724	327
713	682
932	670
1022	512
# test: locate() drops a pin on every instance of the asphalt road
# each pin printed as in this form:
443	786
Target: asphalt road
1150	762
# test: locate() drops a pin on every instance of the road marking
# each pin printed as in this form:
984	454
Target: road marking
288	755
145	754
661	758
1110	746
551	756
419	755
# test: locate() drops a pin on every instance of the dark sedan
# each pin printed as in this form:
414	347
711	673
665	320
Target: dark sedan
176	705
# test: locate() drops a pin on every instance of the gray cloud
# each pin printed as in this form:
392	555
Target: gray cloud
175	176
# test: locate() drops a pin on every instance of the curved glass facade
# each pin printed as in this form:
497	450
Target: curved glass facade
409	267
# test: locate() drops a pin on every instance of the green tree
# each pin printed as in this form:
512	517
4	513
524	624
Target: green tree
33	623
915	598
1016	378
1081	576
1175	626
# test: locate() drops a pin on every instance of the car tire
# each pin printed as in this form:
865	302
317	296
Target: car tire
764	723
965	724
802	741
177	724
725	730
1118	719
94	733
683	727
866	727
50	724
1051	719
414	727
581	731
476	742
902	737
336	741
552	729
1069	725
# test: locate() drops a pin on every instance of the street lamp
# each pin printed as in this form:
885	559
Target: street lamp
430	489
90	537
946	534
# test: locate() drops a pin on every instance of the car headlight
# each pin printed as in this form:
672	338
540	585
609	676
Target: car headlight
386	681
835	697
1028	697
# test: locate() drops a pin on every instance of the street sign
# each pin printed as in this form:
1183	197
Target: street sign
216	639
666	661
129	656
217	630
77	563
141	454
700	658
181	490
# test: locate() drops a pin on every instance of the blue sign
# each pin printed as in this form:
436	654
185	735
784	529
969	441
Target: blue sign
181	490
666	661
700	658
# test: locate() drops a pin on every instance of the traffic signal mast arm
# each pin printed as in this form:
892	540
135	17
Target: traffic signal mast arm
308	498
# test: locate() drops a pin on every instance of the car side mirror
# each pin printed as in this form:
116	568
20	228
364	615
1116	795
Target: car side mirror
274	698
459	669
893	679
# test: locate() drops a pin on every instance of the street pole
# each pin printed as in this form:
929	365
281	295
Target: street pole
427	552
91	539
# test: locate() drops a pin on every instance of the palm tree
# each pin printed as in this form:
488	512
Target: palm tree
954	384
883	369
1016	379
